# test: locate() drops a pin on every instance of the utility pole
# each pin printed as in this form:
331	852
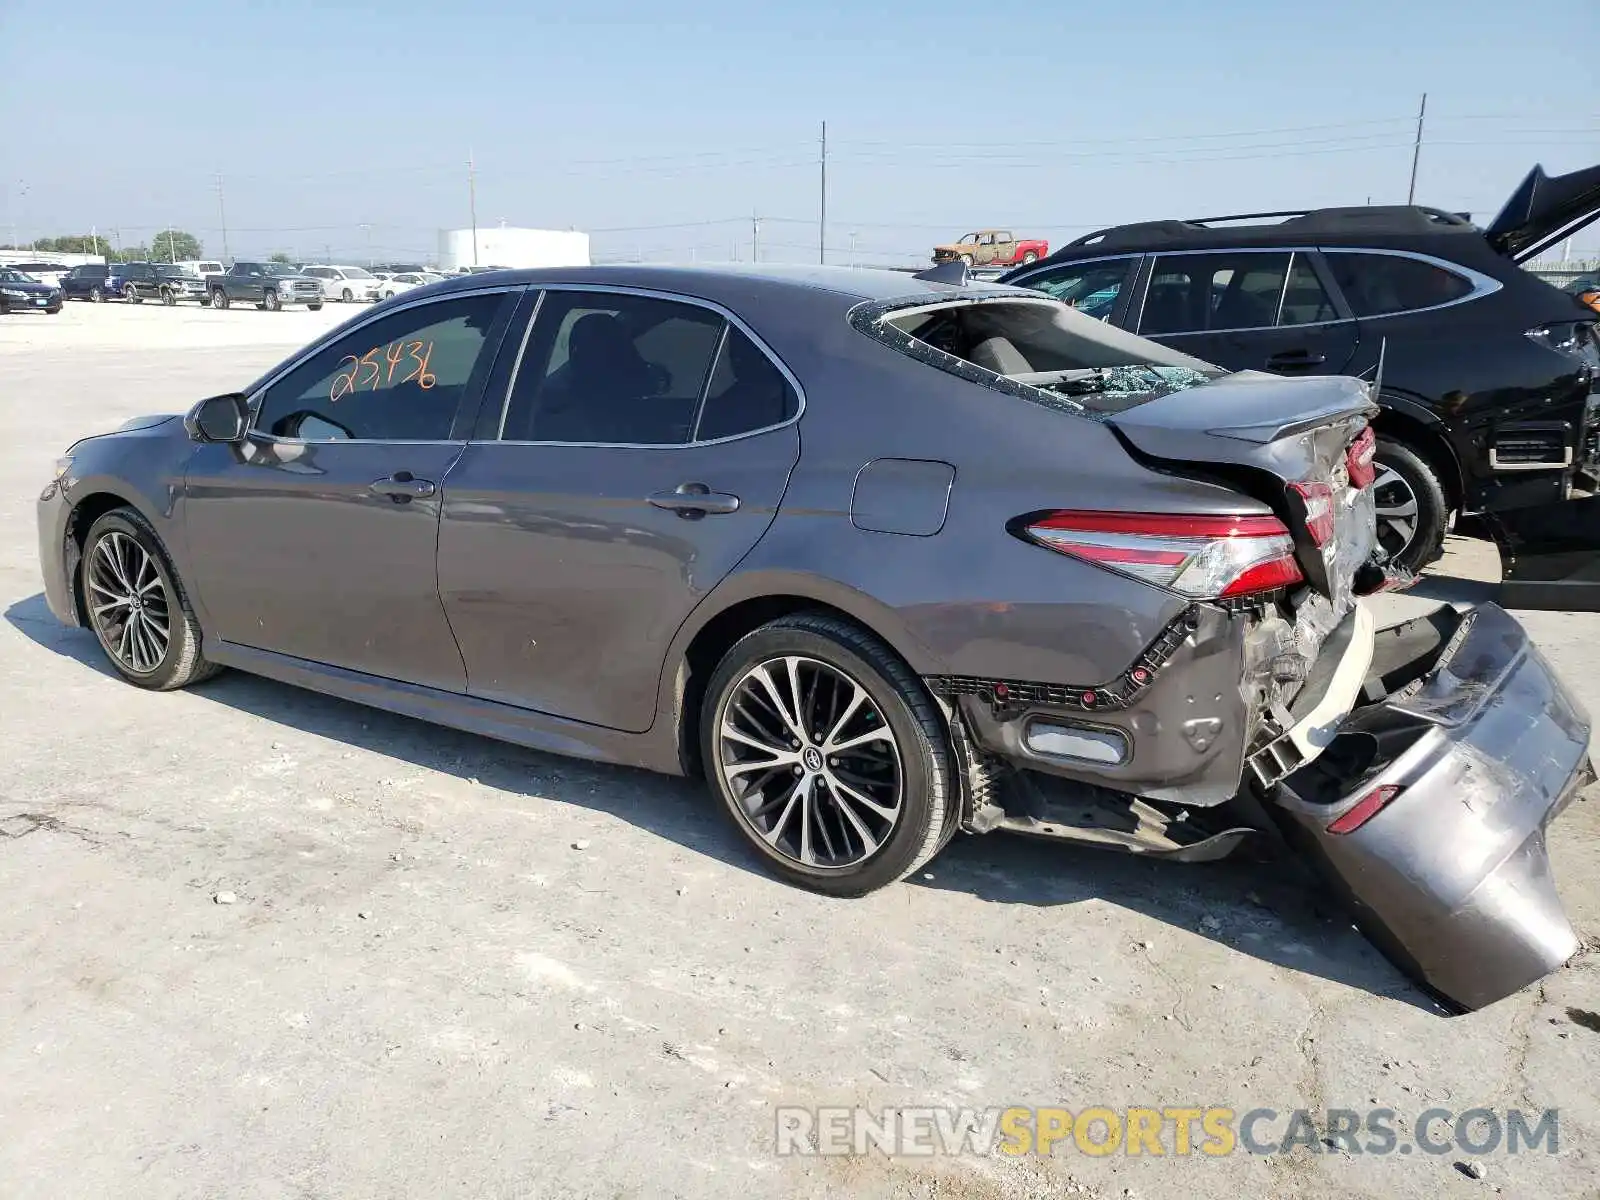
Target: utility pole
94	236
472	203
222	218
822	216
755	238
1416	150
172	244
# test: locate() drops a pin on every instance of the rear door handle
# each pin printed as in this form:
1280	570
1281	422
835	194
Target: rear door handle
695	500
402	487
1296	358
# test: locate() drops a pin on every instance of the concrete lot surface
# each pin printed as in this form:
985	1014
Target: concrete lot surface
453	968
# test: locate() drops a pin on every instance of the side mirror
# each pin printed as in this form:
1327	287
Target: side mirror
218	419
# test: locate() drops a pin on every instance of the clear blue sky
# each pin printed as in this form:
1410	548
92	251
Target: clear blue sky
604	115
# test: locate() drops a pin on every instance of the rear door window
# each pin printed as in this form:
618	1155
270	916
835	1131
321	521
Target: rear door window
613	369
1196	293
1092	288
1376	285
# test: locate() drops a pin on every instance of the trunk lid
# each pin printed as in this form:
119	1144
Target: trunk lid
1543	210
1276	439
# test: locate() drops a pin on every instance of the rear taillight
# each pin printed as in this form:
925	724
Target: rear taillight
1364	809
1575	339
1591	299
1203	557
1318	501
1359	462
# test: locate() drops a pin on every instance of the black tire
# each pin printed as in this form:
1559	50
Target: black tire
929	801
346	296
315	307
97	294
131	295
967	258
270	301
182	663
5	306
167	297
219	299
1028	256
1427	499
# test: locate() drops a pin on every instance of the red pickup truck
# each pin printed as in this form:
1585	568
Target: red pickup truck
992	248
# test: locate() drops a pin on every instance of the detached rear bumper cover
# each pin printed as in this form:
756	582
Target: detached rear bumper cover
1452	878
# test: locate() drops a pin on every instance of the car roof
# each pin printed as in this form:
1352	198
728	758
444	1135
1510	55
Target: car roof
1354	225
725	282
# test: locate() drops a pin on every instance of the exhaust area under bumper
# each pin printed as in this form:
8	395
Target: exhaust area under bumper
1445	787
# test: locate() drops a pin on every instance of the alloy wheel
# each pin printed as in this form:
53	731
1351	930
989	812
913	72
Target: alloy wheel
811	762
1396	503
128	603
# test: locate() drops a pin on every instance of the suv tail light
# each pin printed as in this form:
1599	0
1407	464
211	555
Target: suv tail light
1359	460
1575	339
1318	501
1203	557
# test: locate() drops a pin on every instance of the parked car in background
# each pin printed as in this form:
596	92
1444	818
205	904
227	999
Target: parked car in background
202	266
1489	374
267	285
23	293
136	282
41	272
992	248
85	282
883	558
345	284
133	282
402	282
175	282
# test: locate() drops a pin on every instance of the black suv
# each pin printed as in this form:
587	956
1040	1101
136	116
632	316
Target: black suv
1489	375
85	282
136	282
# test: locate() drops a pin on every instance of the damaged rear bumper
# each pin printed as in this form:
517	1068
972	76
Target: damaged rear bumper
1475	749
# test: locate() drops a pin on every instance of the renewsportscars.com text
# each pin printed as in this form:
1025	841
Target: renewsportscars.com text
1168	1130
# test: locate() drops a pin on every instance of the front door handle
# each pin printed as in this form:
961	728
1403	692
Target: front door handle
692	501
1290	360
403	487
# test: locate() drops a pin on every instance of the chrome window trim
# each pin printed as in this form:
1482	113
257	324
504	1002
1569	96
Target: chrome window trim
1482	285
623	289
372	315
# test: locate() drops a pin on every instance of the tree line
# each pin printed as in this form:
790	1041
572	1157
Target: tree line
170	245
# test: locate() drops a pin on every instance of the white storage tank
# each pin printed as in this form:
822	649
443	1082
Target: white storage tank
502	246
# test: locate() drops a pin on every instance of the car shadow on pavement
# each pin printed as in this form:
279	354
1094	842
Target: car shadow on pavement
1270	912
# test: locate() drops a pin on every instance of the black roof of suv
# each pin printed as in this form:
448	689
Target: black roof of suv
1486	370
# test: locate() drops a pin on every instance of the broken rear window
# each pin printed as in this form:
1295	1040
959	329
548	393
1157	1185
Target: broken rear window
1035	348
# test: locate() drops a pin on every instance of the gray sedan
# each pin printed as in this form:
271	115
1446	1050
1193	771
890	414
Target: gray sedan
884	558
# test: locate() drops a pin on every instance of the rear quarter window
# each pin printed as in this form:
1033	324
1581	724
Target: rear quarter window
1376	285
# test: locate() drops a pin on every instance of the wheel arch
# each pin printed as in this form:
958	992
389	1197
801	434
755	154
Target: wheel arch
85	512
1399	420
711	631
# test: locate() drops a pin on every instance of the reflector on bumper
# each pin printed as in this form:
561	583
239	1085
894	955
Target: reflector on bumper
1450	877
